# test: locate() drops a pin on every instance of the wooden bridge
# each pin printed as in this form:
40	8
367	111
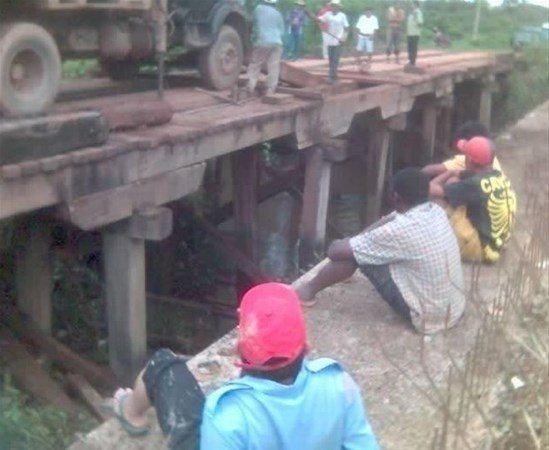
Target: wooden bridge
120	186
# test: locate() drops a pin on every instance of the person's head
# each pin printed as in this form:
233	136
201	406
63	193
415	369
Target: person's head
270	2
479	153
415	4
410	188
368	11
272	336
300	4
336	5
470	129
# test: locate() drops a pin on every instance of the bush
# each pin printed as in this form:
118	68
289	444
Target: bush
24	426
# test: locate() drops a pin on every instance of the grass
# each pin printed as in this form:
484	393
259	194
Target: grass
25	425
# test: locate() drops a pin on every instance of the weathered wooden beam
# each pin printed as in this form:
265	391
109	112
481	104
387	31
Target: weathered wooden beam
124	265
244	166
88	395
29	376
41	137
29	332
109	206
154	224
298	77
34	272
316	198
398	122
378	152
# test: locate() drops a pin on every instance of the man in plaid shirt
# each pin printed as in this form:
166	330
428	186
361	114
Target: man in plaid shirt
411	256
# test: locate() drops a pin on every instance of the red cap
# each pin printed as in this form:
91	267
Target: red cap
271	326
478	149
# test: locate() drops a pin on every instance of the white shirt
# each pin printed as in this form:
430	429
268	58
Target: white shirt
337	24
367	25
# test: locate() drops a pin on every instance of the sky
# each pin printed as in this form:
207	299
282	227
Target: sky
533	2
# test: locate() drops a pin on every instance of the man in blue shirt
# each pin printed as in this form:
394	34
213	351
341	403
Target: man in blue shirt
282	401
268	29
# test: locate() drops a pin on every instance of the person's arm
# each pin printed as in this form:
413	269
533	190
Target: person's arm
434	170
358	432
420	17
436	186
340	250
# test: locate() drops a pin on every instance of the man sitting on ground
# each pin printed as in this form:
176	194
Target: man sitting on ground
465	132
410	256
282	401
486	198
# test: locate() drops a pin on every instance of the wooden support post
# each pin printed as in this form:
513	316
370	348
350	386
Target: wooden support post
124	253
485	106
378	153
316	199
429	129
126	300
245	177
34	273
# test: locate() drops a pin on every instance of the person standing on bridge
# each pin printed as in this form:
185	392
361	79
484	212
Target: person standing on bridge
296	19
282	401
414	25
395	19
268	29
366	28
337	27
411	257
324	27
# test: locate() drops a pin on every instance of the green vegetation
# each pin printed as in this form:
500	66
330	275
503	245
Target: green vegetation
24	425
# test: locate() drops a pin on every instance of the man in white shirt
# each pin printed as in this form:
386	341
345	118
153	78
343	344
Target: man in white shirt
337	27
366	28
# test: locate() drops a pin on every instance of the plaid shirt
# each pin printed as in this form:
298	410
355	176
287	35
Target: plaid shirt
423	256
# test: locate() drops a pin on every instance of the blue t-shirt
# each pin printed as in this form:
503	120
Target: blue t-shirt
322	410
268	26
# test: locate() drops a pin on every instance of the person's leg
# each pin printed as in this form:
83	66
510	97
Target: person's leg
370	48
331	62
298	38
332	273
273	68
254	67
133	403
397	35
337	56
409	45
413	55
324	46
380	277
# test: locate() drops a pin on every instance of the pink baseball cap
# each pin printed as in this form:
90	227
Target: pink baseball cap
479	149
271	327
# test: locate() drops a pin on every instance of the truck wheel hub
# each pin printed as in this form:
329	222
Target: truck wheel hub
228	58
26	71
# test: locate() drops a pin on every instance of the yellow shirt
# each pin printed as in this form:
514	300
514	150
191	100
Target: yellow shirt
458	163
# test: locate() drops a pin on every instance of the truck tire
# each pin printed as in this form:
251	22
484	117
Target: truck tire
30	69
120	70
220	64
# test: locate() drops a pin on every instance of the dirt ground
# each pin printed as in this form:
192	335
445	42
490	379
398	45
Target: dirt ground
391	362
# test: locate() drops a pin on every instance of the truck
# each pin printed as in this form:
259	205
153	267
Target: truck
37	35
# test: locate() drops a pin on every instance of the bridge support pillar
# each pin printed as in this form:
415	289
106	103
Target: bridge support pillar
124	253
380	163
244	164
316	199
485	106
34	273
429	129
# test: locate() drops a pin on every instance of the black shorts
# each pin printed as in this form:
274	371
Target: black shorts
177	398
380	277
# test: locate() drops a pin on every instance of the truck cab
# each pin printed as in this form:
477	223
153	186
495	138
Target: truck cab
36	35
